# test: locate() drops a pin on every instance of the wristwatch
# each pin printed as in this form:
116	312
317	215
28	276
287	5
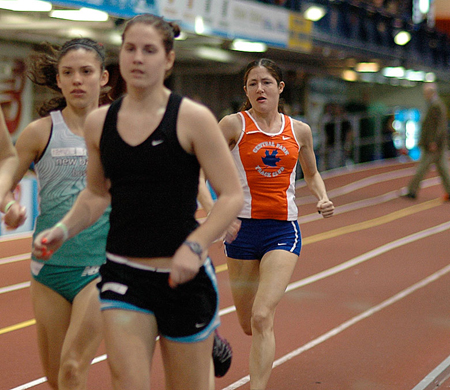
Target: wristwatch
194	247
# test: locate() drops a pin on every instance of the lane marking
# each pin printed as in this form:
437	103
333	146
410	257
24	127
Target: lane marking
322	236
319	276
16	258
21	325
436	377
374	222
17	236
347	324
14	287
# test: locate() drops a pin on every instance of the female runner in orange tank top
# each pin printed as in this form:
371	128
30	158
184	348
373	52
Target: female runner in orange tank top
266	145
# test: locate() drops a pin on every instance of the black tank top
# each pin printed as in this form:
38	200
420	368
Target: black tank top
154	187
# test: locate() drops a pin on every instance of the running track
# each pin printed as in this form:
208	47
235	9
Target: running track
368	307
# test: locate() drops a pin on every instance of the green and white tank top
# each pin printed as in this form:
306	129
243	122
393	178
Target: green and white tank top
61	175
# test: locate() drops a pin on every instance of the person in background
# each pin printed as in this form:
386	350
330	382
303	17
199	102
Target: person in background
8	164
145	153
389	149
432	142
64	294
266	145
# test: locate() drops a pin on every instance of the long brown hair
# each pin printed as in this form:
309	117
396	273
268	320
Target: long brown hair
43	68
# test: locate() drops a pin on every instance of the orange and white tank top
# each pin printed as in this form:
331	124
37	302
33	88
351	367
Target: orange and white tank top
267	164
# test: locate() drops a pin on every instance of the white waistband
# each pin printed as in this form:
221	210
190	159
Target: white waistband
133	264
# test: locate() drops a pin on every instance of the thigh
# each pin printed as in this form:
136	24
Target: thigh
130	338
52	313
187	365
275	274
85	328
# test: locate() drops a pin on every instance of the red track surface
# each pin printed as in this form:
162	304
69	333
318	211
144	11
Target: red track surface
368	307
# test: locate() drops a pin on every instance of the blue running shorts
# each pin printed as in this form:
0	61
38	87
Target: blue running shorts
256	237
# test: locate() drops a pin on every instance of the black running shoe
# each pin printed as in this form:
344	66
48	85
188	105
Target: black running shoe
222	355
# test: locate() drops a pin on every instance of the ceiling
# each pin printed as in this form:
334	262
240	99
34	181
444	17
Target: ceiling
192	52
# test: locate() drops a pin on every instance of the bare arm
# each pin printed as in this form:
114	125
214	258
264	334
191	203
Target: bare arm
30	145
204	196
8	160
312	176
200	134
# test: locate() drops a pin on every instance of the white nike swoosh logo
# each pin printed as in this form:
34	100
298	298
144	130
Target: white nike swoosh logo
200	325
157	142
285	138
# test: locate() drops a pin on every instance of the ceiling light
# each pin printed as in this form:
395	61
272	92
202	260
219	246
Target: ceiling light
26	5
413	75
349	75
199	25
213	54
115	38
424	6
314	12
251	47
81	15
397	71
367	67
402	38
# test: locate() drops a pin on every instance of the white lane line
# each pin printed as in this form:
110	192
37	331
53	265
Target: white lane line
435	378
347	324
317	277
17	236
14	259
14	287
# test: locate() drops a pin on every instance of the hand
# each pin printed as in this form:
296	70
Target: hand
326	208
232	231
47	242
15	217
185	266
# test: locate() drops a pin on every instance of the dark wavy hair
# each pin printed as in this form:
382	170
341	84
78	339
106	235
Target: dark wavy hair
273	69
43	68
168	30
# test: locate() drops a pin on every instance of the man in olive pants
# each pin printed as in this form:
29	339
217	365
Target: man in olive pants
433	142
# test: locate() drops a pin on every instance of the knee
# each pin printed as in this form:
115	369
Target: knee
262	321
70	374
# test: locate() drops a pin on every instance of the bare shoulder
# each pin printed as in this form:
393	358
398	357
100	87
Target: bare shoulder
38	126
231	121
37	132
231	126
302	130
194	111
98	115
93	126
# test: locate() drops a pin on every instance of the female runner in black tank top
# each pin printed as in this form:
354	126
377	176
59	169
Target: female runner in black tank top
137	190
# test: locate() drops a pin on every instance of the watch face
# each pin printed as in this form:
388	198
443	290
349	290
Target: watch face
195	247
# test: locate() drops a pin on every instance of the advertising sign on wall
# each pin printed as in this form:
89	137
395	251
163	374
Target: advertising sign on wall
121	8
229	18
